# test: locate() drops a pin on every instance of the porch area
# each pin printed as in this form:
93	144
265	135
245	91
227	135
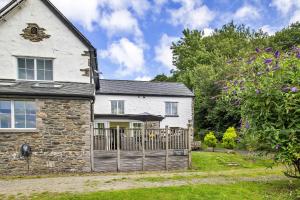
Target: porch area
119	149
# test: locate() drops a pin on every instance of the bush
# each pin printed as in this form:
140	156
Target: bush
267	89
211	140
229	138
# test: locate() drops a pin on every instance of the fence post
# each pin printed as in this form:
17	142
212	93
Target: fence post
118	148
190	132
167	147
143	147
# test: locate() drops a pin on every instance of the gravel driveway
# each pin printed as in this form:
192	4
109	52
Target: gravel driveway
79	184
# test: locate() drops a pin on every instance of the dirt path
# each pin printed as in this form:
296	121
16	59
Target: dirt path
128	181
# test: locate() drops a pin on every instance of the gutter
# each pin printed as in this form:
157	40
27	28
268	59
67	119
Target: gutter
49	95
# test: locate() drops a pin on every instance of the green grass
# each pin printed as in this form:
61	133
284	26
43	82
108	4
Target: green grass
276	190
212	161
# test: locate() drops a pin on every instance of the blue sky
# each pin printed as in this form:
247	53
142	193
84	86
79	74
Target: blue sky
133	37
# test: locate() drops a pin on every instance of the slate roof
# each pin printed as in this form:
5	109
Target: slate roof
46	89
143	88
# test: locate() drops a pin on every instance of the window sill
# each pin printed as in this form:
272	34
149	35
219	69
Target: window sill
12	130
171	115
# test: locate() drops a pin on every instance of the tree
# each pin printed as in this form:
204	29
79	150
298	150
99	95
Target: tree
210	140
201	65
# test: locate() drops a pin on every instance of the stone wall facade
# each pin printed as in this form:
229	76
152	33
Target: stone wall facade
60	143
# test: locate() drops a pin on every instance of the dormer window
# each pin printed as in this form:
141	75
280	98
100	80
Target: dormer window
35	69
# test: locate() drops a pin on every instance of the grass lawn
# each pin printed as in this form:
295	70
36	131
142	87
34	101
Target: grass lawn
213	161
276	190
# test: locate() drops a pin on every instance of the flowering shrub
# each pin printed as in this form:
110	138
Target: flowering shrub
266	88
229	138
210	140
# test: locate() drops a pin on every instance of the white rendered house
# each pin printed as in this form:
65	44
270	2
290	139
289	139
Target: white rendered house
132	104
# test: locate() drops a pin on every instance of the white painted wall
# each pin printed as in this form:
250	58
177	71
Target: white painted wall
63	45
153	105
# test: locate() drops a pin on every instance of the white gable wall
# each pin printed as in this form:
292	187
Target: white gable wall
63	45
150	104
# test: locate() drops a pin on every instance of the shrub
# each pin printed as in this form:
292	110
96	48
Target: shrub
267	89
211	140
229	138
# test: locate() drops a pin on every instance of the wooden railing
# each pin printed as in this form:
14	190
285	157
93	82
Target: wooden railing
140	139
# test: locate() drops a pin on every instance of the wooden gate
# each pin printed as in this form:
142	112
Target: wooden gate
141	149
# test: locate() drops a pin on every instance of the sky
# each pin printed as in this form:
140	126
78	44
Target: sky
133	37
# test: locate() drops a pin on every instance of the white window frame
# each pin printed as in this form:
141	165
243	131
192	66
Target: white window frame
118	107
12	107
172	107
35	67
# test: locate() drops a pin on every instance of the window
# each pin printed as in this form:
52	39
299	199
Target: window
35	69
44	70
26	68
17	114
137	125
117	107
171	109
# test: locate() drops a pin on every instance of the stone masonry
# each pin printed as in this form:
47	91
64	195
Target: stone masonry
61	142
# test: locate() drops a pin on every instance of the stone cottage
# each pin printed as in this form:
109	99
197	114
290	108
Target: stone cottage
48	78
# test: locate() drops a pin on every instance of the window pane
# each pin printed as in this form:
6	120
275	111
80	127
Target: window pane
168	108
20	121
49	65
40	75
21	63
30	121
30	108
121	107
40	64
49	75
19	108
5	114
30	74
174	109
22	73
114	105
30	64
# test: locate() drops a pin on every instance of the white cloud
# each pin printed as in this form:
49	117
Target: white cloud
143	78
284	6
192	14
163	52
138	6
268	29
81	11
120	22
128	55
247	12
208	32
295	17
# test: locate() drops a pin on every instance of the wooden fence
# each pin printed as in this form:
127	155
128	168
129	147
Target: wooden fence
120	149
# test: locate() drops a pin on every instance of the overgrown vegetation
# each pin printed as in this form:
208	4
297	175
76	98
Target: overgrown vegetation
245	79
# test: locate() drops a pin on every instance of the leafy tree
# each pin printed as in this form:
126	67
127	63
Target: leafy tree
201	64
210	140
229	138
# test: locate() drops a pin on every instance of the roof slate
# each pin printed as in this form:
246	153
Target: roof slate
143	88
38	88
